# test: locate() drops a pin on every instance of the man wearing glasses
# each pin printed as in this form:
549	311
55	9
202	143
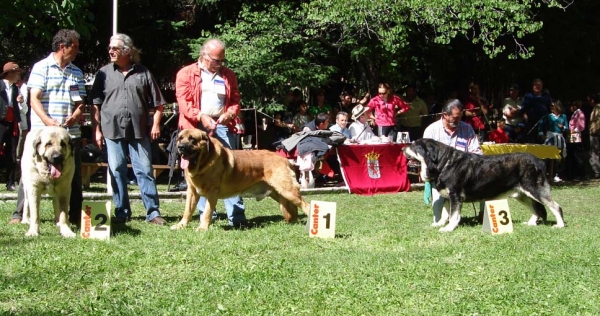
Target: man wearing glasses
56	97
209	99
124	94
452	131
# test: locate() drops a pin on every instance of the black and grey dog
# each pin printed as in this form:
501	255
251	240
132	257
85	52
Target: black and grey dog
464	177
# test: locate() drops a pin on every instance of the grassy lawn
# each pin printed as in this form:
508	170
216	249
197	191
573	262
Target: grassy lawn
386	260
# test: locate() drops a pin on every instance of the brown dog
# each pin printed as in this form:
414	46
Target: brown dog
216	172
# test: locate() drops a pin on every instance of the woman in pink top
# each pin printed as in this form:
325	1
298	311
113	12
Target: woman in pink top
386	106
575	153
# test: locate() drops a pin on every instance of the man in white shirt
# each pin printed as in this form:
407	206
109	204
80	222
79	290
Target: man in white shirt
360	129
452	131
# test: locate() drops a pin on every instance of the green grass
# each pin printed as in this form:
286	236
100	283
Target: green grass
386	260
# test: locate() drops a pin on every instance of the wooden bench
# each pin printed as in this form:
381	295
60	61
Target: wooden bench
89	168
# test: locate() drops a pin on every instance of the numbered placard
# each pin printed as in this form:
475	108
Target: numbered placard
496	218
95	220
321	219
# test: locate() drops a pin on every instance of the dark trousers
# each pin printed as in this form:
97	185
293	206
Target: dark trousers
6	129
76	190
575	160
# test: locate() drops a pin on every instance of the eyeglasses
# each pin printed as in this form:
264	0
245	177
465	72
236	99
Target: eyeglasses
218	61
115	48
454	118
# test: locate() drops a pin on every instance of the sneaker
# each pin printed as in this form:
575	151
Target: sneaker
557	179
11	187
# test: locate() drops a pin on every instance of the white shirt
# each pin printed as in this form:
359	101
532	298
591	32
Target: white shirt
356	131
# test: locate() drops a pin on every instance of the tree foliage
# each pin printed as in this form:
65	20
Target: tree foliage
26	23
283	43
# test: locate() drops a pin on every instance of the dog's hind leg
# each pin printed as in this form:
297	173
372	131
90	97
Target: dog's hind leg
61	206
288	210
537	203
289	190
537	209
34	213
547	200
25	216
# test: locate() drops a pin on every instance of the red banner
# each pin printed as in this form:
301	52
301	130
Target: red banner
373	169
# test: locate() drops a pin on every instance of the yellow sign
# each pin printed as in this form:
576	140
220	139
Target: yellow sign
321	219
95	220
496	218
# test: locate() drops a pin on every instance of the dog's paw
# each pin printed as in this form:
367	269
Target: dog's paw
558	226
530	223
32	233
68	234
179	225
202	227
446	229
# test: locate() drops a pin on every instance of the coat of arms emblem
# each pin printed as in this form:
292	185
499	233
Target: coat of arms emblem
373	165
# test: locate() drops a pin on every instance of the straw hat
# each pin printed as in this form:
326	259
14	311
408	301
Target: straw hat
359	110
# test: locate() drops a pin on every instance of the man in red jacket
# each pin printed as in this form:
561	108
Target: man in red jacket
209	99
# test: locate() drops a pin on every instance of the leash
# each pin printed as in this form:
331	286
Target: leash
214	127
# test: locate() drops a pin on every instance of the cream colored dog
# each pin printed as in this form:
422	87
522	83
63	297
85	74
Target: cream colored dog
47	166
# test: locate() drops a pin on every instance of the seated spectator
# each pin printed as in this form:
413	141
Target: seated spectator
498	135
511	110
320	122
301	118
519	135
360	129
411	121
283	129
476	110
320	105
345	105
341	121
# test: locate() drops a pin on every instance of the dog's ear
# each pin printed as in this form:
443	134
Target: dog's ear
36	143
428	147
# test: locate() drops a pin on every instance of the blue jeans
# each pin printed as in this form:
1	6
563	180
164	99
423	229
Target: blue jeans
139	153
234	206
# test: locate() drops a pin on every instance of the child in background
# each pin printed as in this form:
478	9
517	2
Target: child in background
499	135
520	137
301	118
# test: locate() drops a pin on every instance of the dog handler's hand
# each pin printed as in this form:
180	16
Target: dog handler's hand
98	139
206	121
225	118
155	132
